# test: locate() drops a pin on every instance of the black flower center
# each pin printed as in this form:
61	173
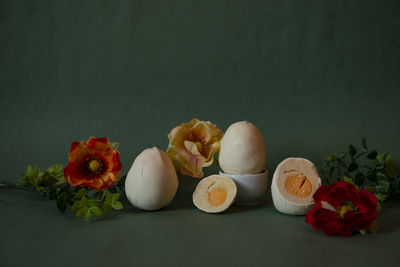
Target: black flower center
94	166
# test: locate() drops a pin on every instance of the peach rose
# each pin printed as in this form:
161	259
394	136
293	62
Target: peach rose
192	146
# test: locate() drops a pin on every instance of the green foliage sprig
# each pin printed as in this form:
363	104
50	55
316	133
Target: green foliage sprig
84	202
364	168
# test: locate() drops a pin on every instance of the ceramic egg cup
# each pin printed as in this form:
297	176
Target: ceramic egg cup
251	188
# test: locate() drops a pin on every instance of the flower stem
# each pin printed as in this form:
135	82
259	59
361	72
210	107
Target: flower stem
7	185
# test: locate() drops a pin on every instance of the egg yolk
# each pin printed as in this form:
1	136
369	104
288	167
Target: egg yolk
298	185
217	196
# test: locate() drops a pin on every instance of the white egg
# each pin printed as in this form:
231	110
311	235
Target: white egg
151	183
242	149
293	185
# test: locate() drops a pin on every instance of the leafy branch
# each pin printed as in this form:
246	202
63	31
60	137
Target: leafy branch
84	202
364	168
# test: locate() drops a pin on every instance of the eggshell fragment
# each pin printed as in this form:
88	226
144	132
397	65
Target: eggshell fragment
152	182
214	193
242	149
293	185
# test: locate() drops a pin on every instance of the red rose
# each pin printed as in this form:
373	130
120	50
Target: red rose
341	209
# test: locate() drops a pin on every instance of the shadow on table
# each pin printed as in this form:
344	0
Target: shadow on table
239	208
389	216
183	199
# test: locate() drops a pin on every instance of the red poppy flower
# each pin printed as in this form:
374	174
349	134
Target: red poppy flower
93	163
341	209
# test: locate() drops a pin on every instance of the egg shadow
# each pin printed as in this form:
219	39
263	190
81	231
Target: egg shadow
183	198
262	204
187	185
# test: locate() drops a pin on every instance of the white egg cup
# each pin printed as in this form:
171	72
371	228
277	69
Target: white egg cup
251	188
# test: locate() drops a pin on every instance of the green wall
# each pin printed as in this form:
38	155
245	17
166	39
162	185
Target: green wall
314	76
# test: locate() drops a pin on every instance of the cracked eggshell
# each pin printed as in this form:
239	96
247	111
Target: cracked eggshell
152	182
242	149
214	194
294	196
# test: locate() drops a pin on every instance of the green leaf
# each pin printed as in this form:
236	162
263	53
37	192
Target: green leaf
359	179
370	188
372	177
107	202
114	145
360	154
332	157
95	211
380	173
50	169
117	205
62	202
372	155
97	195
384	186
31	177
107	207
42	181
87	215
384	157
364	143
379	206
115	197
379	157
390	166
29	171
36	170
77	206
352	167
341	162
80	194
53	194
349	180
55	173
352	151
57	168
382	177
82	212
331	170
381	197
92	203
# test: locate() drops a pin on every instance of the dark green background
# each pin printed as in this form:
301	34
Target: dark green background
314	76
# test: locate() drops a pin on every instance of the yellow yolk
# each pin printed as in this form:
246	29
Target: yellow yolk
94	165
217	196
298	185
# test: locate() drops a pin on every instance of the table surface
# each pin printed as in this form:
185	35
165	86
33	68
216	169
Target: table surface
314	76
35	233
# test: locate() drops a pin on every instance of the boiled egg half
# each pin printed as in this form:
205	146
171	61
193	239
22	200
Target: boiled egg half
293	185
214	193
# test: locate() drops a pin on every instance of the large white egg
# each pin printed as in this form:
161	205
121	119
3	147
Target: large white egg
293	185
242	149
151	183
